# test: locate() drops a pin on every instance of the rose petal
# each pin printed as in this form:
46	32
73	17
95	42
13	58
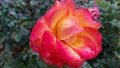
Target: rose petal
71	40
55	52
48	51
93	34
71	58
88	43
67	27
36	34
85	18
58	11
85	47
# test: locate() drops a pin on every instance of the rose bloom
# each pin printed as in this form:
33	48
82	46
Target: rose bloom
67	36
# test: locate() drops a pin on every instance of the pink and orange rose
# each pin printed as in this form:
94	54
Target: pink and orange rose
67	36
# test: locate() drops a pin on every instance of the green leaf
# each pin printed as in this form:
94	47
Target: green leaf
86	65
18	35
27	21
7	47
20	3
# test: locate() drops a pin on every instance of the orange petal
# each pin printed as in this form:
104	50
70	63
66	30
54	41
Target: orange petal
67	27
88	43
86	48
85	18
58	11
93	34
71	40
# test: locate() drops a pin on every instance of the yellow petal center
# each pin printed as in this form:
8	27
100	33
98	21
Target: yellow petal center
67	29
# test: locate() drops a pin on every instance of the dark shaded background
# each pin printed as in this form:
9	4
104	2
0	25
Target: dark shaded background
17	18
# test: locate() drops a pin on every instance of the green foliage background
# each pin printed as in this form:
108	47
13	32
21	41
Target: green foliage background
17	18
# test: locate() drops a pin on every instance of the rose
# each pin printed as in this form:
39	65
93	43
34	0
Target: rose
67	36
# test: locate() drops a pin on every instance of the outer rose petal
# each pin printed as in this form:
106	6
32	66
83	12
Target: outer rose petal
93	34
48	51
88	43
86	48
36	34
71	58
85	18
58	11
54	52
